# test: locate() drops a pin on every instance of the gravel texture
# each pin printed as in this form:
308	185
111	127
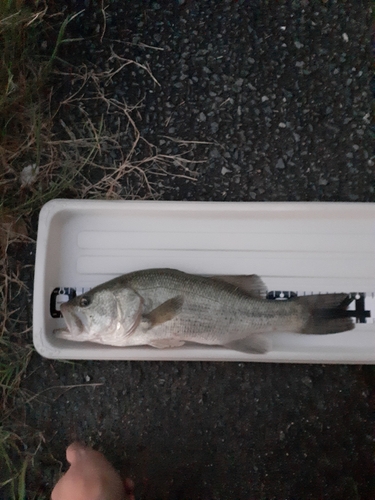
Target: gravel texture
281	91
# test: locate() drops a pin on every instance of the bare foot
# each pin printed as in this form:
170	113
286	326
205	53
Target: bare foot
91	477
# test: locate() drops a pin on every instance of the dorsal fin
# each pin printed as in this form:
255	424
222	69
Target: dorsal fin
251	284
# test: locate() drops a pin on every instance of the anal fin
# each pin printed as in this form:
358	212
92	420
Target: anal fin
254	344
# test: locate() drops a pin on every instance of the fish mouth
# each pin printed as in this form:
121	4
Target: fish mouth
75	324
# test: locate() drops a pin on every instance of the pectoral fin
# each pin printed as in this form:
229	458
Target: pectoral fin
251	284
253	344
165	312
166	343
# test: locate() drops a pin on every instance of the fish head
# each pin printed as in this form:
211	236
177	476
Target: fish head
89	315
101	315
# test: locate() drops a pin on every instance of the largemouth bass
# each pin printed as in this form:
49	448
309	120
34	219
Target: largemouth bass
166	308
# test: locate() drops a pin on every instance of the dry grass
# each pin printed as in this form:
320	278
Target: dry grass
44	155
20	83
130	175
15	353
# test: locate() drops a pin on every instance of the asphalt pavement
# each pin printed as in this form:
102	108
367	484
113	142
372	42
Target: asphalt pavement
280	92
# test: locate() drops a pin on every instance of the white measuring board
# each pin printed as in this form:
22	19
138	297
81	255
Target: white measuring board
296	248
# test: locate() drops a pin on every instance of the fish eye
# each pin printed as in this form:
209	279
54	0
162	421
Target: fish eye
84	301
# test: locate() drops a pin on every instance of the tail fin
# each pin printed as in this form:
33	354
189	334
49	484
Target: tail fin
326	313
